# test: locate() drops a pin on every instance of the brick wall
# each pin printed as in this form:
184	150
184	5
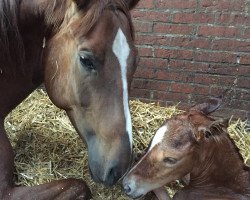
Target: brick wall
193	49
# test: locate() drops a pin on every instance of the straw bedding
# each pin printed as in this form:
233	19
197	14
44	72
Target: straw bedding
48	148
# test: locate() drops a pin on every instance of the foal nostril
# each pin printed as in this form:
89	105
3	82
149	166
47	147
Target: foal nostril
127	188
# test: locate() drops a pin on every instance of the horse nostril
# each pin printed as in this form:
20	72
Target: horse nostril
127	188
112	177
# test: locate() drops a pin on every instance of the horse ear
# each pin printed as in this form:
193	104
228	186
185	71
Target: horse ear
132	3
209	106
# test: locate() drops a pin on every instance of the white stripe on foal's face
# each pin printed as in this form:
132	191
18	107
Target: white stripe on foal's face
158	136
121	50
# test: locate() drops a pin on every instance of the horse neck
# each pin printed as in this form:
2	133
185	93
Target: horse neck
220	165
38	21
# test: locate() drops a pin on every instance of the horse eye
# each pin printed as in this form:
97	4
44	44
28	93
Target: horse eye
86	62
169	160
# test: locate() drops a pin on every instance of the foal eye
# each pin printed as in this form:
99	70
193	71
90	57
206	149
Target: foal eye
169	160
86	62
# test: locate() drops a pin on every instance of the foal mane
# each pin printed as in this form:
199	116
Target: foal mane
218	132
11	43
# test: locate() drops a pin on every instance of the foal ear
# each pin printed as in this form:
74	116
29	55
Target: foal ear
214	128
131	3
209	106
224	123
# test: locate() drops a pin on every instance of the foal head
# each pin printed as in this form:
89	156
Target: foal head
89	64
172	152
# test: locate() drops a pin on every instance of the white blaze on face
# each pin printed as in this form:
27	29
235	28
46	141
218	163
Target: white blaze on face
158	136
121	50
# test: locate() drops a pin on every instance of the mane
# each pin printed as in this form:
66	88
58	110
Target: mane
12	54
93	12
11	43
218	132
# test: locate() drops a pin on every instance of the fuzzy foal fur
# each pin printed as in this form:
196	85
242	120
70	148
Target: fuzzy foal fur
195	145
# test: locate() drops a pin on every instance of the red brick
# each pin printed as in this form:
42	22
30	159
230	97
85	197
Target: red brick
220	57
201	89
231	45
172	29
243	70
150	84
247	6
224	31
243	104
204	79
193	18
174	53
228	5
170	96
204	48
243	82
189	66
218	90
182	41
222	69
173	76
144	51
145	39
149	15
143	27
243	94
232	18
146	4
229	112
145	73
245	59
208	79
153	62
247	33
183	88
162	40
140	93
202	43
176	4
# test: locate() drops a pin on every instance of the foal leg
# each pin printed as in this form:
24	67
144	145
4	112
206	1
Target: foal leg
69	189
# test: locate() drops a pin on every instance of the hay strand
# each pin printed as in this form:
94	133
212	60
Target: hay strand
48	148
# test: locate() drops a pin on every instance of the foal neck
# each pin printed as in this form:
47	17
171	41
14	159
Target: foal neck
221	165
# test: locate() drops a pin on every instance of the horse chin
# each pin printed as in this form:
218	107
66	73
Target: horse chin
95	178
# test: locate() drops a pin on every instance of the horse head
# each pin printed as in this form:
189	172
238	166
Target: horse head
89	64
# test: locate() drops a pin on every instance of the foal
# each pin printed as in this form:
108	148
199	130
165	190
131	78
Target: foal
198	146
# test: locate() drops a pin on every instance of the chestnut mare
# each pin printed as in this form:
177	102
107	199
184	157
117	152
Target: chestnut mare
195	145
84	52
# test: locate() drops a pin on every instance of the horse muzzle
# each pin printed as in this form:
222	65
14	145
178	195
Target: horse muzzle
108	165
